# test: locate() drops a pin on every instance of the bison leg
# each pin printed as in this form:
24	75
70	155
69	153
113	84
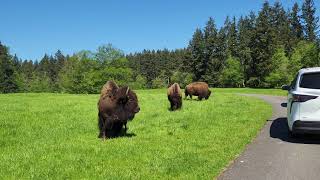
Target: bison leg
101	124
172	106
117	127
125	128
200	98
179	103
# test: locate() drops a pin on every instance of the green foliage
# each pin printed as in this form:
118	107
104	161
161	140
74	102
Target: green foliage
8	82
295	21
68	75
162	81
120	75
139	83
280	73
231	75
254	82
108	53
40	83
306	54
182	78
262	47
310	20
197	49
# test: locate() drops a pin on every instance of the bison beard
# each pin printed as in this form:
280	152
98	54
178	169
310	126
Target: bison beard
116	106
174	96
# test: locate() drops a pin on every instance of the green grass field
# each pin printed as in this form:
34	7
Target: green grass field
54	136
274	92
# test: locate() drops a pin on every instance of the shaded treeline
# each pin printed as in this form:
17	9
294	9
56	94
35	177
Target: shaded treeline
263	49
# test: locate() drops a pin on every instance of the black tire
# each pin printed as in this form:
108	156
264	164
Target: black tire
293	134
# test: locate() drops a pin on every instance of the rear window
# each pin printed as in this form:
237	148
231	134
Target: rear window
310	81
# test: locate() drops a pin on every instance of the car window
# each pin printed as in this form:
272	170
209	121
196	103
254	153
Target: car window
310	81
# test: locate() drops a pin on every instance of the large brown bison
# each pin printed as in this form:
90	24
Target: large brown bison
200	89
116	106
175	96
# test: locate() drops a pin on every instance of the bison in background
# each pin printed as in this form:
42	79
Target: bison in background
175	96
200	89
116	106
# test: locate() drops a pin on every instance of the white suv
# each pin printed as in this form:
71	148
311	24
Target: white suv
303	107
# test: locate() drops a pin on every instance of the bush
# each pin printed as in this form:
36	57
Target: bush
182	78
254	82
232	75
279	74
139	83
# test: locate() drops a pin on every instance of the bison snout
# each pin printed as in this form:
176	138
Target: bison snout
137	110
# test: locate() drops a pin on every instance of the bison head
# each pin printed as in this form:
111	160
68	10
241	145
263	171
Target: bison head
128	103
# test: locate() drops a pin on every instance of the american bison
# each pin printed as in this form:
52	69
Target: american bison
200	89
175	96
116	106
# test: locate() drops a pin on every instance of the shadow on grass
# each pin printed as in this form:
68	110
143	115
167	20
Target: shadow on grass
128	135
188	99
122	133
169	109
279	129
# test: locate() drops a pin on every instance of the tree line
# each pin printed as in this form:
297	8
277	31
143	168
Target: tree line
261	50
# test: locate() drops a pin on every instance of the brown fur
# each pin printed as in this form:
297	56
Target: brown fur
200	89
175	96
109	89
116	106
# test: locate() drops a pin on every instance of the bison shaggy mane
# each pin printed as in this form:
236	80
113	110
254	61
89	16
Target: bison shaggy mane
174	96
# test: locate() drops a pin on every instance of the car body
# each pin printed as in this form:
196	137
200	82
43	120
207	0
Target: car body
303	107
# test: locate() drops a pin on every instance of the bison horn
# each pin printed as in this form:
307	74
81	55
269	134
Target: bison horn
127	91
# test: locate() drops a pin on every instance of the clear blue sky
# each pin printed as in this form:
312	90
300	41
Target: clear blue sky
34	27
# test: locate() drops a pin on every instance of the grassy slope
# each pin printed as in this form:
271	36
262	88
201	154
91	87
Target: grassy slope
54	136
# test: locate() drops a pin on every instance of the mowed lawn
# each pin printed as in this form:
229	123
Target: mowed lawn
54	136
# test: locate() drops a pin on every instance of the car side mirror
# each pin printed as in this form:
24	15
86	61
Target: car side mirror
285	87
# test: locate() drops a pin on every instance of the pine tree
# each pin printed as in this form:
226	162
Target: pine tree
44	70
210	52
246	27
310	20
281	27
60	60
295	22
197	48
7	72
232	38
262	47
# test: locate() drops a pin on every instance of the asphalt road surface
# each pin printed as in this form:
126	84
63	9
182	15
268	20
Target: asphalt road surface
274	154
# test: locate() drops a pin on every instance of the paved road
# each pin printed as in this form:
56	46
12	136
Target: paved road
274	155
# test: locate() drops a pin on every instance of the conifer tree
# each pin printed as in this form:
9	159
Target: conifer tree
310	20
7	72
197	48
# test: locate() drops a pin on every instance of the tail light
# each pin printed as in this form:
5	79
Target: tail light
302	98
